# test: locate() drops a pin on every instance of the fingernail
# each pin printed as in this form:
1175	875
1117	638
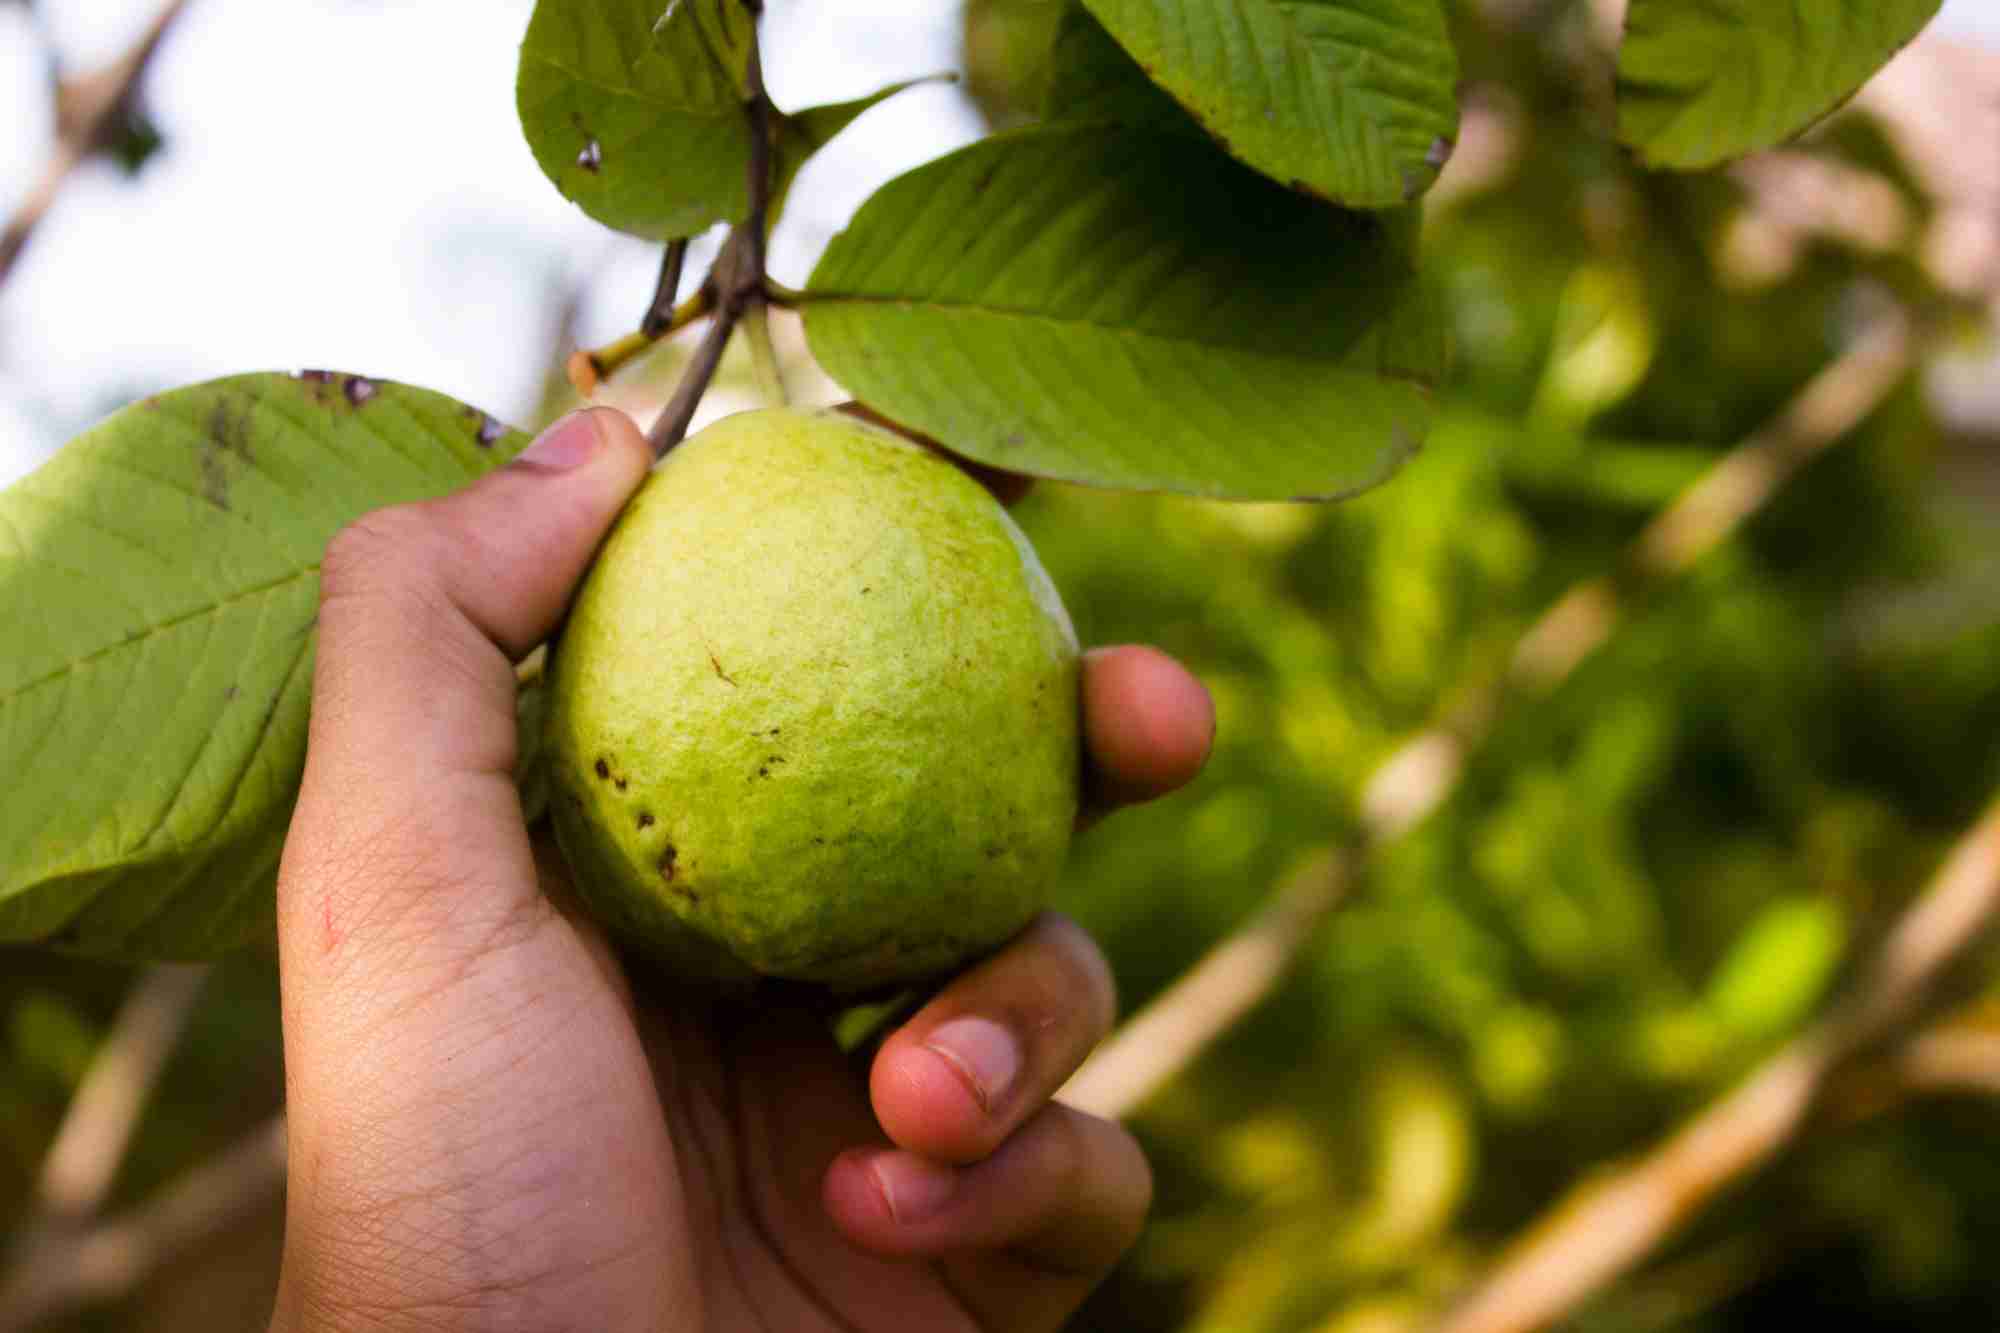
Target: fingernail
564	445
985	1054
913	1188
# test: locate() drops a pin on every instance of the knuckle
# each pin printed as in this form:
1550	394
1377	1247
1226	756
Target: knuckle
375	551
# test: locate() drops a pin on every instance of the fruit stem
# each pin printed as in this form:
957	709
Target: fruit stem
764	355
735	285
589	367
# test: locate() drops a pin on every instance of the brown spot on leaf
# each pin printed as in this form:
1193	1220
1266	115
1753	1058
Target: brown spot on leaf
490	431
359	389
591	158
317	376
228	434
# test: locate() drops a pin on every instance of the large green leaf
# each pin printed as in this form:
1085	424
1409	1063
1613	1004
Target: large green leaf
1351	100
1702	81
1132	308
159	580
634	108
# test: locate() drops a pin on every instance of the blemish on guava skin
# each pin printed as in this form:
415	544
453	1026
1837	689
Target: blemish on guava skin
602	769
645	819
720	674
667	860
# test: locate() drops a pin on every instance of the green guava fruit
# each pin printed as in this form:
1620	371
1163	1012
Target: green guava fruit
814	711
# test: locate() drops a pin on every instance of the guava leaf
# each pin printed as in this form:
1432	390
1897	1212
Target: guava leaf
1132	309
1091	79
800	134
160	580
1350	100
1703	81
634	109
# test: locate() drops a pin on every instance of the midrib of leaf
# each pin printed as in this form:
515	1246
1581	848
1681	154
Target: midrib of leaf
814	298
159	627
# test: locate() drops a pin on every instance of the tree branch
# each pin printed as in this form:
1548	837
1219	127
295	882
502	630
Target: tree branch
736	283
660	310
1603	1228
90	106
1421	773
1211	997
90	1145
68	1271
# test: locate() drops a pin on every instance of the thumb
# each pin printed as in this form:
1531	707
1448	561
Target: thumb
407	812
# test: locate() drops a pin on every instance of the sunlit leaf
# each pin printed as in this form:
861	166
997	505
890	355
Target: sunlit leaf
160	580
1351	100
1132	309
1702	81
634	109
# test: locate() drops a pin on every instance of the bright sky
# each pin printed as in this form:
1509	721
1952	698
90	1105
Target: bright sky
346	187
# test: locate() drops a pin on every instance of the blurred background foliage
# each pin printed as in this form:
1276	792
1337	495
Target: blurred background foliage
1643	883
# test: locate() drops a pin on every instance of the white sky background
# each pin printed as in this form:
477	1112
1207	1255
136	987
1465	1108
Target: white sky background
345	186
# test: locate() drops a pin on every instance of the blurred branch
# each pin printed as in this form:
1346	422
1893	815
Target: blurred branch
88	111
66	1272
90	1145
1211	997
1168	1035
1606	1226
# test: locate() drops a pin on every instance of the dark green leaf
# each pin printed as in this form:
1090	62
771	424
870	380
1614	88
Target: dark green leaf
634	108
1091	79
1132	309
160	578
1702	81
1351	100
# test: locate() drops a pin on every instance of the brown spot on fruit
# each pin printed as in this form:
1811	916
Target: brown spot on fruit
667	860
603	769
645	820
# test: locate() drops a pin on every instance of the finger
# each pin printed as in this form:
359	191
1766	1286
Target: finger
1148	726
1025	1234
411	752
994	1045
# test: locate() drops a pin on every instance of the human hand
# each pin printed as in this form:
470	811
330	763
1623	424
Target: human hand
493	1124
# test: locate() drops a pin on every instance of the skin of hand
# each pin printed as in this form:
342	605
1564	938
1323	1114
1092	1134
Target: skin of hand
496	1123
